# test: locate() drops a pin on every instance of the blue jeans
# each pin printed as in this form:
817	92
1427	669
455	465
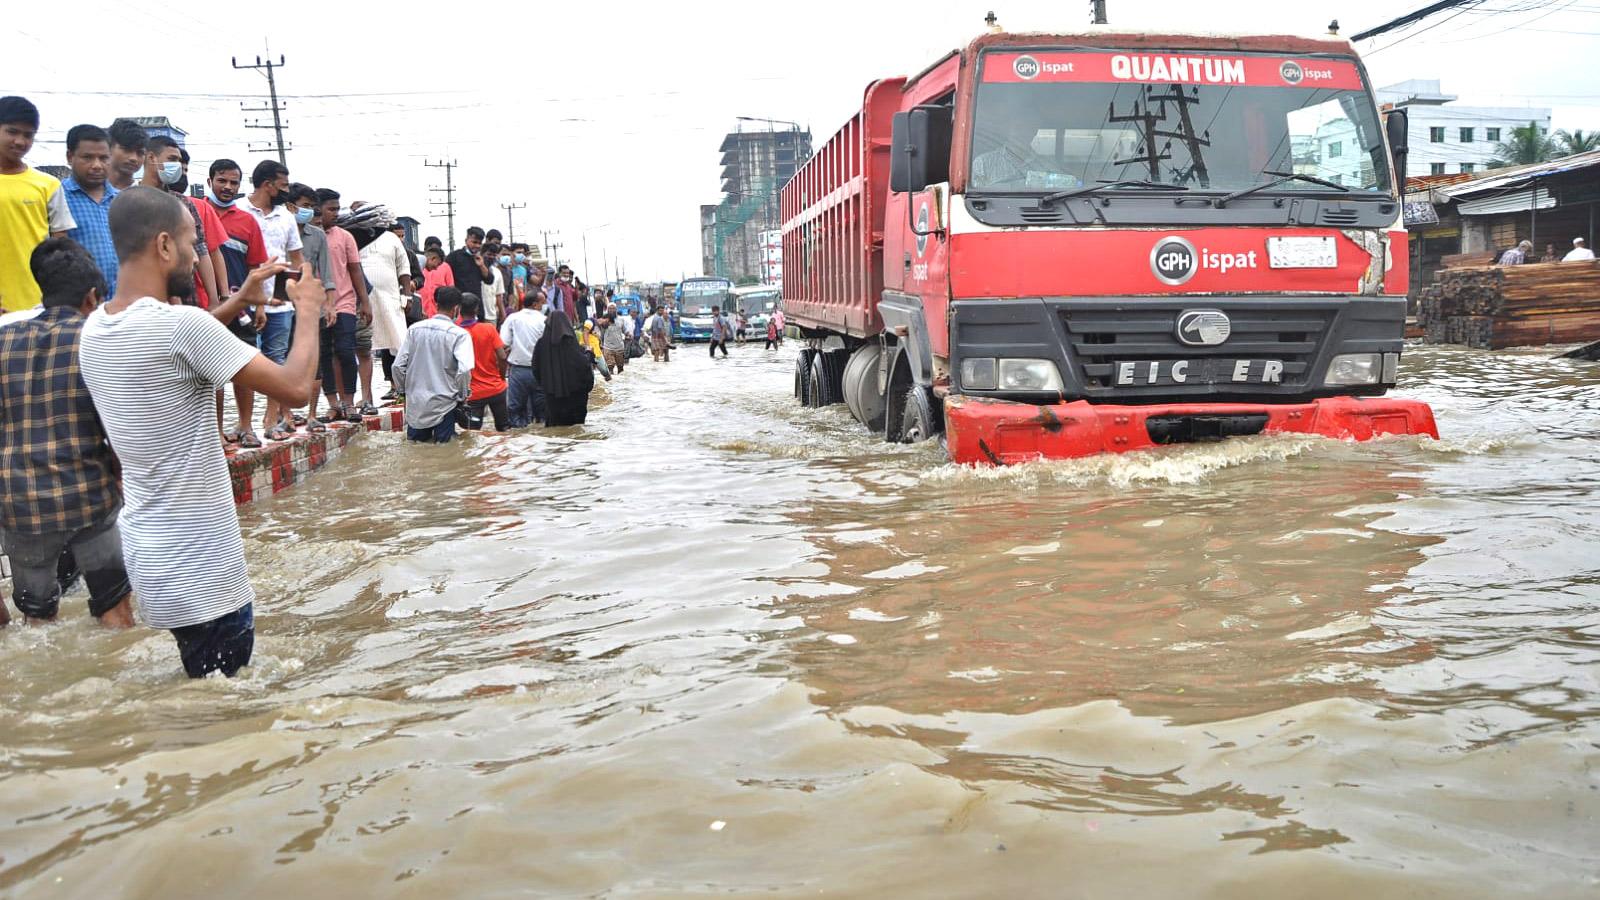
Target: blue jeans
525	399
274	339
221	645
438	434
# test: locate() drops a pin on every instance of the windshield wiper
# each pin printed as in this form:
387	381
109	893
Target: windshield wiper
1104	185
1281	178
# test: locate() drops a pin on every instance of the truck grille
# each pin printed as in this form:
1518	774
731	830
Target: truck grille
1102	338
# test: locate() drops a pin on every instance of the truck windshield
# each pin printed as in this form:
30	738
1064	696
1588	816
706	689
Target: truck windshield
1051	121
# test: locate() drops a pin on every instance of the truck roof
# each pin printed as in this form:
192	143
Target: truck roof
1136	39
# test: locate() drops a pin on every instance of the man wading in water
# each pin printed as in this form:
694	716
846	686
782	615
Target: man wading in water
153	369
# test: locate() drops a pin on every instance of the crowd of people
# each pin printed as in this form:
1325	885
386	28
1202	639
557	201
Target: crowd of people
128	306
1523	254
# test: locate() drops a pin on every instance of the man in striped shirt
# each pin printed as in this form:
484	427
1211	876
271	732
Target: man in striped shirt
153	368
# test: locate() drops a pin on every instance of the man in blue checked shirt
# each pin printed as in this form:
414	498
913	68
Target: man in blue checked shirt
89	196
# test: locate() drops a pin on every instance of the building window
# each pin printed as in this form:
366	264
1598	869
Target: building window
1466	135
1334	149
1468	168
1436	134
1491	134
1436	169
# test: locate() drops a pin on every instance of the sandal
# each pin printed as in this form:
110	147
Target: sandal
299	420
352	414
248	440
316	427
369	410
231	436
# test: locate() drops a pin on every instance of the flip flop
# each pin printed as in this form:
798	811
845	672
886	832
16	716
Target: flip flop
316	427
278	434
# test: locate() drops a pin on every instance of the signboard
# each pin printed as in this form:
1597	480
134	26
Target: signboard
1420	212
1171	68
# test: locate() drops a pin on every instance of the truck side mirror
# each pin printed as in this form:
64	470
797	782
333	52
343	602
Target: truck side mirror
920	145
1398	125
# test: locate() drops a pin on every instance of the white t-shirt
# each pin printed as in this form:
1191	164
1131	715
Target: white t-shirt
280	234
522	329
1578	254
153	370
493	287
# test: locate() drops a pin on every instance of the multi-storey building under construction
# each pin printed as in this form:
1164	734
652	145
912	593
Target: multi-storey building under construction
755	166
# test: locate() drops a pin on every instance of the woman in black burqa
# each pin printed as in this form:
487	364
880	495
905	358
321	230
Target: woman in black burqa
565	372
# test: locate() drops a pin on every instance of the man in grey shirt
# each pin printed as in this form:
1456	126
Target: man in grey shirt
303	202
434	371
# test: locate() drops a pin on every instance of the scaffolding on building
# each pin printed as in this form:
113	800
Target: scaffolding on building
755	167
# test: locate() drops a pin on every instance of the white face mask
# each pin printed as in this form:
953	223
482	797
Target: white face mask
170	172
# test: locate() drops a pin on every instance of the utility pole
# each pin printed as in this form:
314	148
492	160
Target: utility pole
1099	9
511	229
449	191
273	106
555	253
549	255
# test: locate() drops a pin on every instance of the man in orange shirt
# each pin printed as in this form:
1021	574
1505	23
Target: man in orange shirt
489	354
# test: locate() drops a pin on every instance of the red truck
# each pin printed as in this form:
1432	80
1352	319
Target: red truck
1052	245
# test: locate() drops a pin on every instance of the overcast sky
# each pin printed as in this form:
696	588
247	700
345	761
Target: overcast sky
605	117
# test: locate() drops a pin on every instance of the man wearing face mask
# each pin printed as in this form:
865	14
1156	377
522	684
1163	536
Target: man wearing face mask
242	252
89	195
163	168
494	286
468	264
128	139
268	202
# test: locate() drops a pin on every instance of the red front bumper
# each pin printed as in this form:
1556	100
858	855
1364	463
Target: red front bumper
998	432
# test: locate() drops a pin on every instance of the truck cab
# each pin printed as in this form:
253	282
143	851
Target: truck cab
1116	220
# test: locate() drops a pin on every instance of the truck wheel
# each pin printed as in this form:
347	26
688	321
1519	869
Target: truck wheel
919	422
859	386
802	377
820	389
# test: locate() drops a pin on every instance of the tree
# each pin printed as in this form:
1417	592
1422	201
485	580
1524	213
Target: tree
1577	142
1529	144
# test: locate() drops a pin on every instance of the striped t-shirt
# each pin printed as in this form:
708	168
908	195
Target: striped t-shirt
153	370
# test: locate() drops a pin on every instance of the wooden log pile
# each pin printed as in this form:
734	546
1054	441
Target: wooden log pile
1492	307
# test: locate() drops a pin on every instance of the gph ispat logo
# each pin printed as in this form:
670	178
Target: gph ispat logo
1291	72
1026	67
1173	260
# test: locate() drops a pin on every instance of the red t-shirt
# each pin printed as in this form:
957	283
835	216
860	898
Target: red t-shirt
243	249
486	378
215	236
432	280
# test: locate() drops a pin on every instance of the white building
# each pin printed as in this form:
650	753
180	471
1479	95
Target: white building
1447	138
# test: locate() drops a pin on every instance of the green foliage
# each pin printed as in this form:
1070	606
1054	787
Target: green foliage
1577	141
1529	144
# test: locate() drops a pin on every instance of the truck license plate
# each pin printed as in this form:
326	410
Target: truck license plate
1197	371
1302	253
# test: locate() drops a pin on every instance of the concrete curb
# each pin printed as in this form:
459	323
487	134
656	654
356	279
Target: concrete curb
279	465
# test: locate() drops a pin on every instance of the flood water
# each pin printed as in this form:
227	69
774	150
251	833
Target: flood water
714	643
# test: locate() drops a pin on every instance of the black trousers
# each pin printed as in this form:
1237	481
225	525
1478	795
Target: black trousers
497	408
715	345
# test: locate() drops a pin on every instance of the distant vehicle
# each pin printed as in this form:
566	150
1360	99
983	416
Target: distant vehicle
757	303
694	299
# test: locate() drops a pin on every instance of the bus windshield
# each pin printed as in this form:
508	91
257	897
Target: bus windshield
1047	121
696	296
758	302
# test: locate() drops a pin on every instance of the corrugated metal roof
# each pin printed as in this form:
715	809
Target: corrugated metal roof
1503	178
1516	201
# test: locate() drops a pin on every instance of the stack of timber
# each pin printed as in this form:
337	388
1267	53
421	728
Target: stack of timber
1492	307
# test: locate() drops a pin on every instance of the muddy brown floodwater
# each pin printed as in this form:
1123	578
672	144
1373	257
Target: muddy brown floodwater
713	643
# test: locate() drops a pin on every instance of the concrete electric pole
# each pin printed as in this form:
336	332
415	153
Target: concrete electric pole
449	191
511	228
273	106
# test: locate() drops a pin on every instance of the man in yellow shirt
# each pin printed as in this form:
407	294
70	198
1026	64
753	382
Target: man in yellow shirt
32	205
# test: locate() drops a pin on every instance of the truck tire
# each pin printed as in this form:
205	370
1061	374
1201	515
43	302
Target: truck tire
802	376
859	386
920	420
821	388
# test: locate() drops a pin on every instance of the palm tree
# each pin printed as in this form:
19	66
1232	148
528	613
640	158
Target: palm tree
1529	144
1577	142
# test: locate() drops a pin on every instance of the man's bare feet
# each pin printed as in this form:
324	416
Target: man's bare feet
119	616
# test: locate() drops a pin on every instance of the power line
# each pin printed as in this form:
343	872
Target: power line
1408	19
449	191
273	106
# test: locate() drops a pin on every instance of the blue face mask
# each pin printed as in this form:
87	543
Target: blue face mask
170	172
212	196
505	260
302	215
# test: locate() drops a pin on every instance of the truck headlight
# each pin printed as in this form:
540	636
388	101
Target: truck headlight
1355	368
1029	375
978	374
